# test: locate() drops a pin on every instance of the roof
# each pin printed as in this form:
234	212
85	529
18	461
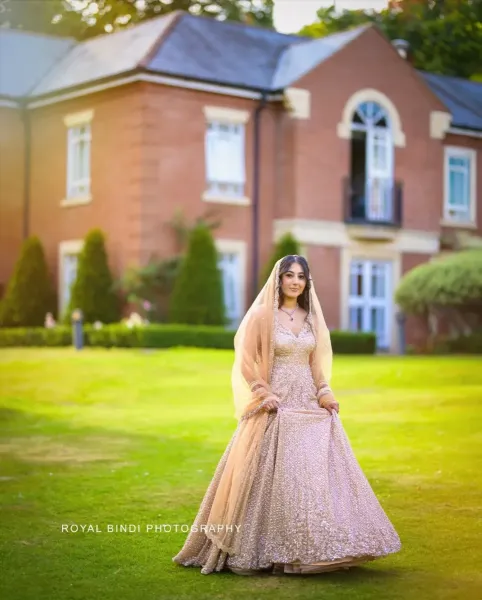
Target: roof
462	97
25	58
223	52
197	48
183	45
104	56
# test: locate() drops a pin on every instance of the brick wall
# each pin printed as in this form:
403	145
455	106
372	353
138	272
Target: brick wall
11	190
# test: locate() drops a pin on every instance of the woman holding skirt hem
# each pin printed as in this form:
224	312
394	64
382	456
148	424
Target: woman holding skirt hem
288	495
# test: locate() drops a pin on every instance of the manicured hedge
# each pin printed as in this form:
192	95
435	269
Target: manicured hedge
465	344
348	342
163	336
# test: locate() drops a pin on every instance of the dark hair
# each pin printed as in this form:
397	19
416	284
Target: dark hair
286	262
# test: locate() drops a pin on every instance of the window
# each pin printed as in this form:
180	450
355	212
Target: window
78	160
68	263
225	159
370	299
232	264
372	165
78	157
69	271
459	205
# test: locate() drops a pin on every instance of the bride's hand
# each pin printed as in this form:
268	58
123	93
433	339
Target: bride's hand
271	405
328	401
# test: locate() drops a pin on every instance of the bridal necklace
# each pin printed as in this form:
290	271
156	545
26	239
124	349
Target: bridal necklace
290	314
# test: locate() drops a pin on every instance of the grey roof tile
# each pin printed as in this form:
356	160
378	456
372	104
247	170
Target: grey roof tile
199	48
104	56
462	97
25	58
224	52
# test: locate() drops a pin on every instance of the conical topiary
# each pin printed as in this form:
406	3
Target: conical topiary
197	297
93	289
29	295
286	245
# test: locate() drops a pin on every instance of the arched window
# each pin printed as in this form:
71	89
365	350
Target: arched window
369	114
371	171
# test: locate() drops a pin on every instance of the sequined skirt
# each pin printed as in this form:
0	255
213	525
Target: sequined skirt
311	509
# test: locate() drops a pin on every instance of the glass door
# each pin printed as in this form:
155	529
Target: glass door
229	263
379	176
69	274
370	301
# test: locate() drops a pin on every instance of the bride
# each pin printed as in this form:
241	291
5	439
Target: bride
288	494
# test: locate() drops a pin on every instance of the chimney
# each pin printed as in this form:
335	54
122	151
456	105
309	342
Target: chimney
402	47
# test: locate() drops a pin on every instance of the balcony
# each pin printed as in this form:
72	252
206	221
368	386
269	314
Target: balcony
376	203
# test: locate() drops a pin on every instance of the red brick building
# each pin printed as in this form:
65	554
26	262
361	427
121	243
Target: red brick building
338	140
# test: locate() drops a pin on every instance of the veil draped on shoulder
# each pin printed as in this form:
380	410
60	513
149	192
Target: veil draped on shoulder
251	377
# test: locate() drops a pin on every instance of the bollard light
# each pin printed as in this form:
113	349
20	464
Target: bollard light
77	329
402	342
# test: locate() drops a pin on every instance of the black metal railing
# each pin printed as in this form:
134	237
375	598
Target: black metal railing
376	201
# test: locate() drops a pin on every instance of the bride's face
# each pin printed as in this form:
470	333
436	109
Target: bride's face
293	282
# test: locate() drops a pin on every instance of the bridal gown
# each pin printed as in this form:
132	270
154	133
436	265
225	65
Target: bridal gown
310	508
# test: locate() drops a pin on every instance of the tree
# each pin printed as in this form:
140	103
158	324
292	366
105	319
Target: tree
51	17
154	281
29	295
93	289
448	288
445	36
286	245
197	297
83	19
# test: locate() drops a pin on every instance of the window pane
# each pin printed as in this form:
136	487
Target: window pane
229	266
458	189
70	263
377	322
356	318
459	161
225	158
78	160
356	280
377	283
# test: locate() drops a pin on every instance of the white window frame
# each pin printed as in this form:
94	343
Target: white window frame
366	301
222	186
68	247
471	155
79	131
239	247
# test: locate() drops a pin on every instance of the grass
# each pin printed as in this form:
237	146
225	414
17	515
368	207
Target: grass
109	436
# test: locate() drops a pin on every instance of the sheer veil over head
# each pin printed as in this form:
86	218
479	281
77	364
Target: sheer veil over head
251	377
254	344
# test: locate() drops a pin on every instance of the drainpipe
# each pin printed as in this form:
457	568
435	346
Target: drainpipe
27	138
256	192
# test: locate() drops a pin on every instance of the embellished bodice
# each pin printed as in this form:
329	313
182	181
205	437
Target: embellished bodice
291	347
292	378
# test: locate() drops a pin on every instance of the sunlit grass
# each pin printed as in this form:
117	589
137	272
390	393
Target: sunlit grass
109	436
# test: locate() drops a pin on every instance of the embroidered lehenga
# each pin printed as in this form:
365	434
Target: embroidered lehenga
288	482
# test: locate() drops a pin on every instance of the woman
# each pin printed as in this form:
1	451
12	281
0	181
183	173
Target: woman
288	495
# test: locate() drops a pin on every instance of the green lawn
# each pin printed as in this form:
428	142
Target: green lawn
110	436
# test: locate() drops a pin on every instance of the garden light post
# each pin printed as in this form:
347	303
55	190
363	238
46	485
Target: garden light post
402	342
77	329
